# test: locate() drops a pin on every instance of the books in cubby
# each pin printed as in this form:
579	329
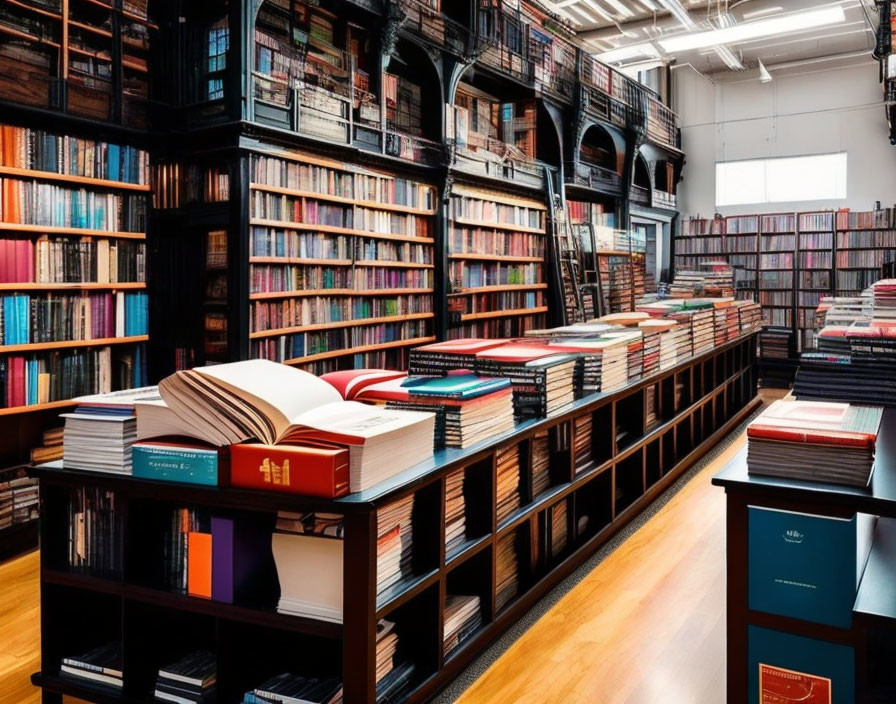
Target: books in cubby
101	666
286	687
395	543
455	511
177	184
341	258
463	617
508	482
18	497
507	570
94	522
540	462
189	680
496	251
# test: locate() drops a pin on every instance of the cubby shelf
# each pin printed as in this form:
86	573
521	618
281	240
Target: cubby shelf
696	402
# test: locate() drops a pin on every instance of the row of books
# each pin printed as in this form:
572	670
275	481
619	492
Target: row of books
279	278
775	280
53	317
817	240
18	497
34	203
37	150
777	261
66	260
282	208
709	279
463	240
777	223
295	346
475	274
480	210
778	243
776	298
268	242
704	245
503	327
816	221
858	239
815	260
504	300
317	310
176	184
348	183
26	380
861	258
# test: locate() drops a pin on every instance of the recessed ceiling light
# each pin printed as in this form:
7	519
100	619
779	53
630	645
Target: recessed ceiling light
754	30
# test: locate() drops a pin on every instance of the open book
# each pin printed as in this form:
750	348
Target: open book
257	399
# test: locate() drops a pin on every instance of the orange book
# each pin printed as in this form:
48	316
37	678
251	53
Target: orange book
199	564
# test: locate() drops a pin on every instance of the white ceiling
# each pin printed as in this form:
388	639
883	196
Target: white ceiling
610	24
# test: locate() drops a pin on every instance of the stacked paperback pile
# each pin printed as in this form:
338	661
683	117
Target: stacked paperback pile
100	434
540	463
814	441
189	680
661	340
582	446
542	379
391	680
558	529
442	358
713	279
703	330
844	310
463	617
98	667
749	315
18	497
776	343
395	543
651	337
507	499
288	689
507	571
884	297
455	511
50	449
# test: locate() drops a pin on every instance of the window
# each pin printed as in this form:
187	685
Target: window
781	180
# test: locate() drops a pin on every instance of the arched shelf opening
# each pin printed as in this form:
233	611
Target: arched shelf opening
642	173
412	91
598	149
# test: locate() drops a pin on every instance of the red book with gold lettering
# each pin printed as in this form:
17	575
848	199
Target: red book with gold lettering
293	469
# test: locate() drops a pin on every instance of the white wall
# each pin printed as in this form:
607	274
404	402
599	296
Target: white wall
809	110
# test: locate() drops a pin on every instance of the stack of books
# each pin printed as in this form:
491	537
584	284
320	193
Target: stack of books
98	667
455	511
884	299
507	571
650	400
582	447
749	315
507	499
540	463
844	310
442	358
100	433
713	279
776	343
18	497
463	617
814	441
558	529
189	680
395	543
287	688
50	449
391	679
661	341
651	337
542	379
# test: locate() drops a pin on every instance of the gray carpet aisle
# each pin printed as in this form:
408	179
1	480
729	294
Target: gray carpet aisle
457	687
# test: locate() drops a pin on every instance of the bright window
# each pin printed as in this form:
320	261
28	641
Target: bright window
782	180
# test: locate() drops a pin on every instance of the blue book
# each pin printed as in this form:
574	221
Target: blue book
804	566
459	387
114	161
788	668
191	464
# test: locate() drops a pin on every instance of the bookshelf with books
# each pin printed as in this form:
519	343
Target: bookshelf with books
864	249
814	271
341	262
87	58
424	570
497	249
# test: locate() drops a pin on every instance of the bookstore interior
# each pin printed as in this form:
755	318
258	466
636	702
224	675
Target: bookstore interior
583	313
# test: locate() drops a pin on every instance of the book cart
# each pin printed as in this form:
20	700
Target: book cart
599	481
863	652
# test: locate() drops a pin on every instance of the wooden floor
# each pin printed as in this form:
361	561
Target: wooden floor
647	626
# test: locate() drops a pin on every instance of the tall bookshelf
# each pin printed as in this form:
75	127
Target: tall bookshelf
72	232
496	264
864	250
815	271
89	58
341	263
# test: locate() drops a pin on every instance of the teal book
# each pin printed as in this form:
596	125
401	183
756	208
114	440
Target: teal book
782	667
170	462
459	387
805	566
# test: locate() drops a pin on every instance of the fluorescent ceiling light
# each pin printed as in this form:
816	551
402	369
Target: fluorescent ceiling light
633	51
675	7
620	8
649	5
754	30
731	61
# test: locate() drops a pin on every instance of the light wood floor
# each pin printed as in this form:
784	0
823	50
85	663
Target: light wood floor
647	626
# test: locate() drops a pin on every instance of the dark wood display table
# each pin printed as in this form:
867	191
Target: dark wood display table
873	631
634	454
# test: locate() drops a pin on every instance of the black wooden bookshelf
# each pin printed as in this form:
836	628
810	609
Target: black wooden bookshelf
871	633
696	403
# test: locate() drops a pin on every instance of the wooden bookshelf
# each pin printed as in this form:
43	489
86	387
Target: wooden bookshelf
599	490
383	266
30	246
487	231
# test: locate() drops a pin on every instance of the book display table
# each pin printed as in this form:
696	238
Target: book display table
844	639
608	457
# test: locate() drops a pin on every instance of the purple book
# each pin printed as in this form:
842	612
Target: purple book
242	564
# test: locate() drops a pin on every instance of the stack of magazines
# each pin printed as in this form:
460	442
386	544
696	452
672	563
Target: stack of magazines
100	666
190	679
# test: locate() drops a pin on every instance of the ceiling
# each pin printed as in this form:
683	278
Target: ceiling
607	25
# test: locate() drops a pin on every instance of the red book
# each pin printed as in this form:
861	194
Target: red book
350	383
817	422
17	376
7	261
293	469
